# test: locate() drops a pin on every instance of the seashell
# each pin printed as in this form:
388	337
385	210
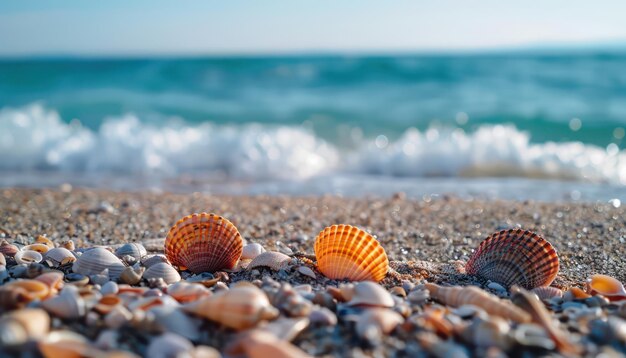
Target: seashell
204	242
40	248
77	279
133	249
471	295
59	256
575	293
7	249
96	260
53	279
606	286
286	329
272	259
67	305
368	293
34	289
149	302
347	252
323	316
547	292
107	303
306	271
250	251
185	292
131	275
239	308
489	332
44	240
515	257
66	344
150	260
374	323
28	256
68	244
23	325
260	344
164	271
530	335
109	288
289	301
169	345
540	315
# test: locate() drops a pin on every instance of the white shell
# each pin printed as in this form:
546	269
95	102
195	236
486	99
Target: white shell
59	255
162	270
368	293
133	249
251	251
96	260
150	260
27	257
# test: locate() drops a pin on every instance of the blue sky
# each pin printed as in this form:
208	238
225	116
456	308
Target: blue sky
144	27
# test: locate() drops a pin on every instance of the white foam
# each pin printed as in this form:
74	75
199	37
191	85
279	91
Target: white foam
33	138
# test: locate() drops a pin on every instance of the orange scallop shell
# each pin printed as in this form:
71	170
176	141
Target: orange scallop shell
203	242
347	252
515	257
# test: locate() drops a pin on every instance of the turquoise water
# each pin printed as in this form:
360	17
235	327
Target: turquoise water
549	116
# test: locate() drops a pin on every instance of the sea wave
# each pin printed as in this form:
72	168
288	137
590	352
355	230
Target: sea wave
36	138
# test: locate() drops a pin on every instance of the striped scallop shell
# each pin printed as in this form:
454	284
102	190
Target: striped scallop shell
347	252
515	257
96	260
204	242
164	271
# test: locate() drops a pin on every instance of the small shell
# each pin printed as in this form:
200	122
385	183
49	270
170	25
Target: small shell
23	325
239	308
40	248
185	292
150	260
368	293
540	315
575	293
44	240
489	332
28	256
118	317
204	242
35	289
470	295
59	256
515	257
374	323
8	250
133	249
67	305
547	292
109	288
107	303
96	260
272	259
149	302
606	286
306	271
164	271
131	275
347	252
68	244
251	251
13	297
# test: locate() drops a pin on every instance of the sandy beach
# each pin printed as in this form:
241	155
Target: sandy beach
589	238
427	241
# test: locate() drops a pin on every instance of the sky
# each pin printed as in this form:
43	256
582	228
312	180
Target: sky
201	27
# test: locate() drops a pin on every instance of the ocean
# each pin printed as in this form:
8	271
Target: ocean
517	125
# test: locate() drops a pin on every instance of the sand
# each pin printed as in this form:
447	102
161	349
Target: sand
590	238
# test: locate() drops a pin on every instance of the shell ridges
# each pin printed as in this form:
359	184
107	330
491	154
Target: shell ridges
347	252
203	242
515	257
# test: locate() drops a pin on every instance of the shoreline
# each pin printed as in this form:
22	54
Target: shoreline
589	237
